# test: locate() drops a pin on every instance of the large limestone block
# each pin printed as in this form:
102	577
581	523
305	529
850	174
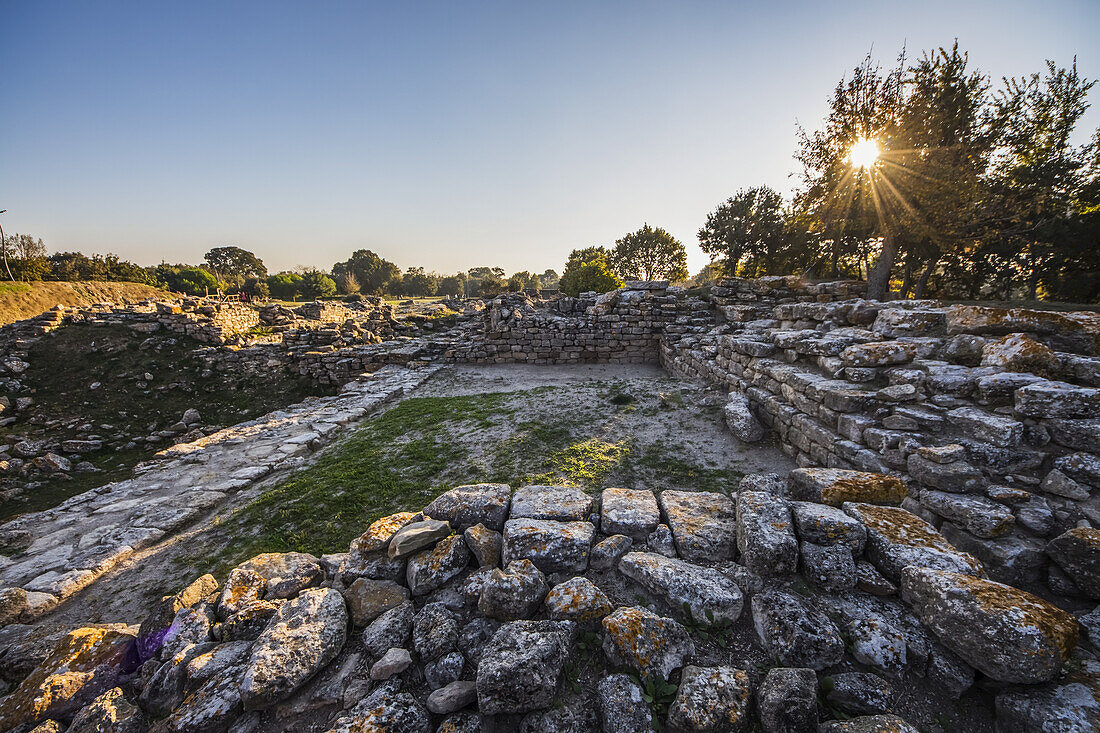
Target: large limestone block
1006	633
897	538
1057	399
710	595
552	546
630	512
1078	553
703	524
1070	704
465	506
561	503
306	634
652	645
521	666
794	633
765	534
834	486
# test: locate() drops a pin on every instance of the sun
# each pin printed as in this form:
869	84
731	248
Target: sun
864	153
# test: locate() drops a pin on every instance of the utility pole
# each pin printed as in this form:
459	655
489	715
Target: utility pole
4	249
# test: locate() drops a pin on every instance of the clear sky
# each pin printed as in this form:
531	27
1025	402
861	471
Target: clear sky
446	134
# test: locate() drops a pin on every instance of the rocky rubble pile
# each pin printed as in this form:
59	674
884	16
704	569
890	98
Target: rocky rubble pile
806	604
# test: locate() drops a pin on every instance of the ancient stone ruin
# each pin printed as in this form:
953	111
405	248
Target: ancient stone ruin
935	553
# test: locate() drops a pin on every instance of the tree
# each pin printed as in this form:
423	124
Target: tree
28	255
711	273
452	285
850	205
419	284
316	284
234	265
369	269
491	285
285	286
548	280
650	254
523	281
588	270
348	284
257	288
187	279
747	232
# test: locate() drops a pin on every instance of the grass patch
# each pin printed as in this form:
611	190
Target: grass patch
659	460
10	287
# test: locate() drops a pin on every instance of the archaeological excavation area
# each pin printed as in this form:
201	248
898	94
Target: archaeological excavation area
772	505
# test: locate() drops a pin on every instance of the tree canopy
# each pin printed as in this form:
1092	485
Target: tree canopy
650	254
234	265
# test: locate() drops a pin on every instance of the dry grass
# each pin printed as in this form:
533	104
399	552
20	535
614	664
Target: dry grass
26	300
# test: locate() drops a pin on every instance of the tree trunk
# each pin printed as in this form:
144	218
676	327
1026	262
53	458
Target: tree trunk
907	279
878	279
922	281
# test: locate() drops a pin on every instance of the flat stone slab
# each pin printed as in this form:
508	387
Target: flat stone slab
834	486
552	546
561	503
897	538
703	524
765	534
631	512
710	595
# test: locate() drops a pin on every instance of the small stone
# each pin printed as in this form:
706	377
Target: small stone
630	512
868	724
835	486
431	569
652	645
607	553
870	580
703	524
368	599
577	600
286	573
1078	553
551	545
740	419
858	693
830	567
242	588
485	544
434	631
513	593
943	454
393	662
795	634
1059	484
660	541
827	525
877	644
416	536
443	671
711	699
787	701
13	604
391	629
453	697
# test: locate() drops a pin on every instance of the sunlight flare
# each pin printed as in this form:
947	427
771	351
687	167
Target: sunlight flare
864	153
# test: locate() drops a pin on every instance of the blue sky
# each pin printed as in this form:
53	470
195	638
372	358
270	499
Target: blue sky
449	134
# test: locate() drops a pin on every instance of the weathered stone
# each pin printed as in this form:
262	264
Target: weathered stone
1018	353
416	536
870	580
85	663
367	556
521	666
827	525
711	699
485	544
897	538
660	541
391	629
1069	705
1057	399
795	634
431	569
434	631
703	524
551	545
622	708
155	626
858	693
561	503
1006	633
462	722
466	506
1076	434
444	670
984	427
513	593
979	516
955	477
769	483
368	599
787	701
607	552
652	645
13	604
835	486
868	724
393	662
242	588
708	594
286	573
1078	553
385	709
877	644
829	566
474	635
453	697
1083	467
630	512
740	419
765	534
1059	484
577	599
880	353
306	634
249	622
190	626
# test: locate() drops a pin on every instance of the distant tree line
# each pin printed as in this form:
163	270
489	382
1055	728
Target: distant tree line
977	192
650	253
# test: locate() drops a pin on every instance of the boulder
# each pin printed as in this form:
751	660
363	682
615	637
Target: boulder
765	534
551	545
306	634
896	538
711	699
1057	400
561	503
1078	553
622	708
285	573
577	599
466	506
877	644
652	645
630	512
1018	353
1008	634
985	427
395	661
1070	704
110	712
787	701
391	629
485	544
243	588
385	709
829	566
794	633
368	599
707	593
514	593
958	477
431	569
703	524
834	486
434	632
740	419
521	666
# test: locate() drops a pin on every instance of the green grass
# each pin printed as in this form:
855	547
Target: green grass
10	287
